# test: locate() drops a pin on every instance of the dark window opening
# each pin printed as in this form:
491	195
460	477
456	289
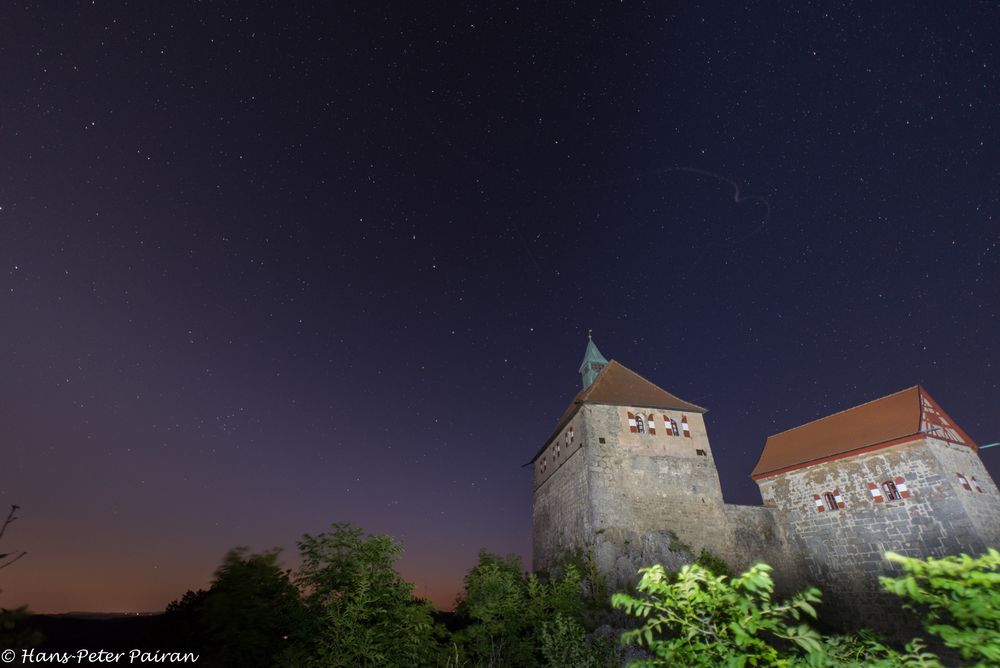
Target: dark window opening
831	501
889	491
640	424
601	440
700	453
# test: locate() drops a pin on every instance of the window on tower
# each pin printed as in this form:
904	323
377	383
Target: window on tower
640	424
831	501
889	491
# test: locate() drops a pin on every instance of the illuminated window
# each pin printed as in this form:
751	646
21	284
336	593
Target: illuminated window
889	491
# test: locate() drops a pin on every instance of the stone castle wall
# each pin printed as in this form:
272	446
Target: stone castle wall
639	498
561	520
645	483
635	499
842	548
757	533
982	499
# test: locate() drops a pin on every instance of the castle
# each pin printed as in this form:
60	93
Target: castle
629	475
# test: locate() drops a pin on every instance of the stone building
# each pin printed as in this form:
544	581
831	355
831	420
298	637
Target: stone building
628	474
895	474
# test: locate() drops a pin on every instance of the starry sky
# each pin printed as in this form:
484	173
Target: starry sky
269	266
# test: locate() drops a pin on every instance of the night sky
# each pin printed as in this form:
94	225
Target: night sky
270	266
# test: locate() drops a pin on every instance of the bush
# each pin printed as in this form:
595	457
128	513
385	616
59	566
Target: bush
713	564
565	645
703	619
959	599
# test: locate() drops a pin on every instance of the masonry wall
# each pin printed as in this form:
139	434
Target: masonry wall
656	498
758	534
653	482
636	499
560	509
982	498
842	549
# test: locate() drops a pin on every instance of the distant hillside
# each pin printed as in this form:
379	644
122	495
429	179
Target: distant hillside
108	631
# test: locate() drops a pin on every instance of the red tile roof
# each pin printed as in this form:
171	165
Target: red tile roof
617	385
909	412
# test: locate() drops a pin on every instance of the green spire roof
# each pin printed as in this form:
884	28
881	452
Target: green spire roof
593	362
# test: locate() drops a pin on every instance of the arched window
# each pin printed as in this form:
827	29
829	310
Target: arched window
831	501
889	491
640	424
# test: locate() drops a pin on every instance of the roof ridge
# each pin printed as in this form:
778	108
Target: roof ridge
643	378
851	408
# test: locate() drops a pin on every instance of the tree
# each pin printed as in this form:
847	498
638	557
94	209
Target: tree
8	558
495	601
518	620
180	628
12	629
360	611
246	616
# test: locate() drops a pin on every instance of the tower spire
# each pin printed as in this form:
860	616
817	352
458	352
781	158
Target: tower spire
593	361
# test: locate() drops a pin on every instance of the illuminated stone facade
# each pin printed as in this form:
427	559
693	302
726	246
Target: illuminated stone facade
618	480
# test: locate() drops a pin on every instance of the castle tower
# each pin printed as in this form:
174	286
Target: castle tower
626	460
898	474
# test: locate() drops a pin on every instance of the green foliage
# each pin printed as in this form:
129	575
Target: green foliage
496	600
360	611
703	619
713	564
247	615
349	607
865	650
959	599
510	613
180	627
677	545
565	645
14	631
594	584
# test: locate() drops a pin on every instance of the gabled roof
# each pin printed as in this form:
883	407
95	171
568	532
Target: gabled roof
617	385
879	423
